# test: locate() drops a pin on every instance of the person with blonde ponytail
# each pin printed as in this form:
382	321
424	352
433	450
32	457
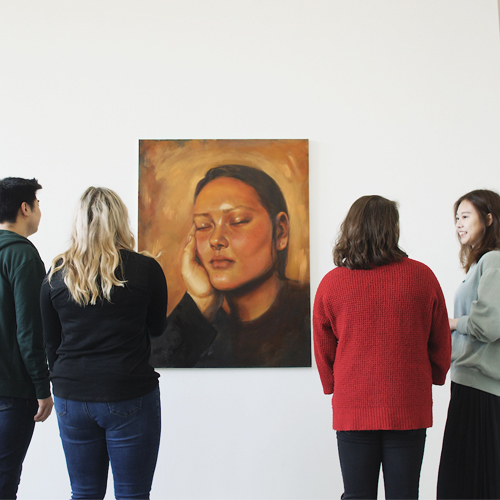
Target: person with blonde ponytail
101	301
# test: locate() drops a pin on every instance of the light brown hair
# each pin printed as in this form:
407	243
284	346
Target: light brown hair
369	235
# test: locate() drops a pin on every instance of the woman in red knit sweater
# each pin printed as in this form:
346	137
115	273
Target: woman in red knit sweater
382	339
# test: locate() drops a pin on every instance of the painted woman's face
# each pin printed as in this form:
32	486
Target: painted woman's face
469	225
234	233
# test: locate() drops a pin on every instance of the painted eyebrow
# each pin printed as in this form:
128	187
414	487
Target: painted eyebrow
226	211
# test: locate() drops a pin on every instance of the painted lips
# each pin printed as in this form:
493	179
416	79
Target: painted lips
221	263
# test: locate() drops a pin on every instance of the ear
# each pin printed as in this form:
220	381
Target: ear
489	219
24	209
282	231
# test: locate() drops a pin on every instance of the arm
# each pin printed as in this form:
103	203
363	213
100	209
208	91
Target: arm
189	334
51	324
483	322
44	409
26	283
325	342
439	343
190	331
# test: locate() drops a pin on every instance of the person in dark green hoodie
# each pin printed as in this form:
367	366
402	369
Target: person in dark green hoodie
24	378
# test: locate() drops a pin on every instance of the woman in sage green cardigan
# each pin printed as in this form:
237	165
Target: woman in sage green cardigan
470	459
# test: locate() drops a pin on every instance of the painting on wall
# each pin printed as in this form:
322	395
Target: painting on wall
228	220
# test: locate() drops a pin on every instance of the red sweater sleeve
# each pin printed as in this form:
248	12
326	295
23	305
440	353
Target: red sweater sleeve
325	341
439	345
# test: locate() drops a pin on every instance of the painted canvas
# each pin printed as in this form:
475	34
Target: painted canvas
229	223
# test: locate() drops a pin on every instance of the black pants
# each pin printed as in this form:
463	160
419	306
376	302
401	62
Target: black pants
362	453
470	459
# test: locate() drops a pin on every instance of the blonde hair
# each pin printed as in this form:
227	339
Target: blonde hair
101	229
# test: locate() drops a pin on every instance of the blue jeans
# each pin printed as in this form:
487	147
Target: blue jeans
16	431
399	452
125	433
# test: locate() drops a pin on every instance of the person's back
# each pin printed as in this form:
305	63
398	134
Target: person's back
101	302
24	382
381	339
393	363
100	351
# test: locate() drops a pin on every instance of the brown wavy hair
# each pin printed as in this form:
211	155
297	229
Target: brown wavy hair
369	235
486	202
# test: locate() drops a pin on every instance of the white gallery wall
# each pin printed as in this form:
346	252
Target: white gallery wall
397	97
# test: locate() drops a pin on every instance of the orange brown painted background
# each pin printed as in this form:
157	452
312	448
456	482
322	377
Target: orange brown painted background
169	171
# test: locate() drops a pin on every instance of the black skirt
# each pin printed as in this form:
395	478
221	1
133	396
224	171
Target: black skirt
470	458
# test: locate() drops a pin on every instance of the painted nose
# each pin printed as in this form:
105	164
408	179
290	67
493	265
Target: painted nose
218	238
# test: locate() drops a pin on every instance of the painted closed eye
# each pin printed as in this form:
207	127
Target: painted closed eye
202	227
240	222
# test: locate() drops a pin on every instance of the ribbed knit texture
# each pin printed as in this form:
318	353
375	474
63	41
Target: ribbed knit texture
381	339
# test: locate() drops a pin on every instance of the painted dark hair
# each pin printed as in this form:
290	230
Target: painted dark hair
269	193
369	235
14	191
485	202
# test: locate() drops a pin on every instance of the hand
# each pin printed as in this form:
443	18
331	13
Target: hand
197	282
44	409
453	323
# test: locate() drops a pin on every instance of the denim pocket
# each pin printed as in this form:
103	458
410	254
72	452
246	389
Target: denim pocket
6	403
125	408
60	406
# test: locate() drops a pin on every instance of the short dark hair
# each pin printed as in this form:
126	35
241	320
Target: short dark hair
369	235
14	191
268	191
485	202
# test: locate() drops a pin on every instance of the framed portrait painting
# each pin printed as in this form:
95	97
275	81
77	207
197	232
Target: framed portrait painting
228	220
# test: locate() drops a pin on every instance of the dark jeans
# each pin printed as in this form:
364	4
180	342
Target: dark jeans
125	433
399	452
16	431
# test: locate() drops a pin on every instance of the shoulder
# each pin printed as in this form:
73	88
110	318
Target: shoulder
14	242
19	253
56	277
337	273
490	260
336	279
135	258
417	266
330	277
297	291
420	275
139	263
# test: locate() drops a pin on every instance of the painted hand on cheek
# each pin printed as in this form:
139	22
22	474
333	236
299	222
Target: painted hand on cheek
196	280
